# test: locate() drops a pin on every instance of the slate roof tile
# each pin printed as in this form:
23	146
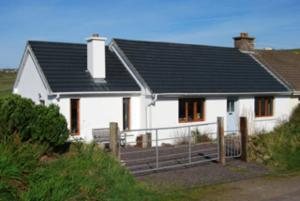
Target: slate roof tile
184	68
65	64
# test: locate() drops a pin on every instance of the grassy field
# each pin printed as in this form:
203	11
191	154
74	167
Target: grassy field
296	51
6	82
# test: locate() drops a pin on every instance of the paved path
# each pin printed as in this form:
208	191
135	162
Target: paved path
286	188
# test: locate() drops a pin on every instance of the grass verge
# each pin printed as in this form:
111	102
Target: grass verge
83	173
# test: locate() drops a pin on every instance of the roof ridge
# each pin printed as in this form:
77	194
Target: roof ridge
55	42
171	43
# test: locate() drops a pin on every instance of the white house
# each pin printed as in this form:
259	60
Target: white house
142	84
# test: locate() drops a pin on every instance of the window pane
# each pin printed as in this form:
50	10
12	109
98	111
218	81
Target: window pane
181	110
190	110
200	109
230	105
126	113
257	112
263	107
270	106
74	116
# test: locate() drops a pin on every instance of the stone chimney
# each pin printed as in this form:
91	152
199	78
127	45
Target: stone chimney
96	56
244	42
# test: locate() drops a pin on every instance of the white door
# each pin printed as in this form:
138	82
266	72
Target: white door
231	114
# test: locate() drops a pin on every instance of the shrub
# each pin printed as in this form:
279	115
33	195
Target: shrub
49	126
34	123
201	137
279	149
16	114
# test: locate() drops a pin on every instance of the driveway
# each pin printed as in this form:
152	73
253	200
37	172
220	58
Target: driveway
237	181
284	188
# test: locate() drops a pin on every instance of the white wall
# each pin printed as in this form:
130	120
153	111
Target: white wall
95	112
30	83
283	107
165	114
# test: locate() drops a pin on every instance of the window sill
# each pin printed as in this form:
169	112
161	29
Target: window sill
201	120
264	118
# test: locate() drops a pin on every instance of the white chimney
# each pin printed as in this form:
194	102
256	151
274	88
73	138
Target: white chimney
96	56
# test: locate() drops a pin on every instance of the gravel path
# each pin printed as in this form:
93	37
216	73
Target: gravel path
205	174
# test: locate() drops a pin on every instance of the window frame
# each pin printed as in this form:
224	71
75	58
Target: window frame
78	116
129	111
259	113
195	105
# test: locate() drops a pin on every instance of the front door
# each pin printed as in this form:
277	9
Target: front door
231	114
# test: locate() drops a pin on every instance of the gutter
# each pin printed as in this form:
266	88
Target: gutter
297	93
224	94
94	93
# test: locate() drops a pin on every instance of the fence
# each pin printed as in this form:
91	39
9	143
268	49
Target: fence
145	150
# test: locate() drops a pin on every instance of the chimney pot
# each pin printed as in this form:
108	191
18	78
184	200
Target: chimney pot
244	42
95	35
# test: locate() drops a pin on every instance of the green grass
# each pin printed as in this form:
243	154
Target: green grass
6	82
83	173
296	51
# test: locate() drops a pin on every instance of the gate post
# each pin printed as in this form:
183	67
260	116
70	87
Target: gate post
221	140
244	138
113	138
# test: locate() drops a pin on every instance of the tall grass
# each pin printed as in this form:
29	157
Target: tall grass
280	149
83	173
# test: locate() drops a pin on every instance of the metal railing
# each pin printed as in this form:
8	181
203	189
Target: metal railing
233	144
144	150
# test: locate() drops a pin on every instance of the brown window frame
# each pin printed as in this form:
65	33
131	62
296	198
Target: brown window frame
195	103
129	115
78	116
258	102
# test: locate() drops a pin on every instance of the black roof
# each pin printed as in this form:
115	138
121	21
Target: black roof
184	68
64	66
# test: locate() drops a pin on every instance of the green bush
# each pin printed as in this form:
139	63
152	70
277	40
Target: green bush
49	126
16	114
34	123
279	149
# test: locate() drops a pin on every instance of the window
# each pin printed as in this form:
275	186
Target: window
75	116
191	109
126	113
264	106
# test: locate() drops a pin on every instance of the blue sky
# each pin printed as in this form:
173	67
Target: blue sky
275	23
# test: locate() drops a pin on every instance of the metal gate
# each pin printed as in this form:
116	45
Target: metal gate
146	150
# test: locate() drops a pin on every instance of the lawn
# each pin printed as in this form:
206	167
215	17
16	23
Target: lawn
6	82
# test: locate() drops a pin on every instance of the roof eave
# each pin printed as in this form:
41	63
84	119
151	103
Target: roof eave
95	93
225	94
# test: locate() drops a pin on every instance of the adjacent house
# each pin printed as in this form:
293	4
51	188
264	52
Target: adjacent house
143	84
